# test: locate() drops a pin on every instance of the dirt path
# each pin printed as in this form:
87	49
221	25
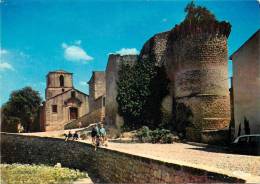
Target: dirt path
57	133
84	181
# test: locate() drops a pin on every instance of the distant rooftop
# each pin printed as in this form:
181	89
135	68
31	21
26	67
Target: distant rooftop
60	71
96	74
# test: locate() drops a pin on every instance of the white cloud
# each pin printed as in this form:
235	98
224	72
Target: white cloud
164	20
6	66
22	54
12	54
82	83
78	42
42	83
3	52
127	51
64	45
75	52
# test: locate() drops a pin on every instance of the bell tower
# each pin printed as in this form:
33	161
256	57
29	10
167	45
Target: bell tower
58	82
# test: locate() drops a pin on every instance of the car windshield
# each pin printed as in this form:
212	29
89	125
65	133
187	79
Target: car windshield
242	139
255	139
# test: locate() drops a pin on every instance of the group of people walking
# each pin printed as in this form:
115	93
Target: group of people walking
98	135
69	136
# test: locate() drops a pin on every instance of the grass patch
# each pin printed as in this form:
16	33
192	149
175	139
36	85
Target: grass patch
41	174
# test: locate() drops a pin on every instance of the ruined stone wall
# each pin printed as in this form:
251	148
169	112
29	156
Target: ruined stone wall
113	66
100	84
197	67
155	49
98	103
97	88
109	165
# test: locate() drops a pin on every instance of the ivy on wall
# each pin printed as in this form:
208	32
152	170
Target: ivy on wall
141	89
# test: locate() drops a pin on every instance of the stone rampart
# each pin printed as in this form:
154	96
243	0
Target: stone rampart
113	66
155	48
196	63
109	165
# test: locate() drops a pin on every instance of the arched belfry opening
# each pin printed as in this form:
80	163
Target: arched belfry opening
61	81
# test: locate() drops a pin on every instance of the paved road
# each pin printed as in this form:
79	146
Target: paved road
197	156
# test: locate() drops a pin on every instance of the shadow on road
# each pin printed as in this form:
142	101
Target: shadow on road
218	149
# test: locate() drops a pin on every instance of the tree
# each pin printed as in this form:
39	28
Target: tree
198	14
133	90
22	108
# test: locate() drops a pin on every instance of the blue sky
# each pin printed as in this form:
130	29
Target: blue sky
38	36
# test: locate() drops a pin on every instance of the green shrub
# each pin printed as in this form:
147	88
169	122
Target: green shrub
144	134
167	138
161	136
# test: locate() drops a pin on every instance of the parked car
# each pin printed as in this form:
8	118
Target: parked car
246	144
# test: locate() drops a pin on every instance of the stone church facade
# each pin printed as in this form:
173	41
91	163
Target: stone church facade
63	102
96	101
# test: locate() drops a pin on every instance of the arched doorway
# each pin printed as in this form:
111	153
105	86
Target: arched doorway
73	112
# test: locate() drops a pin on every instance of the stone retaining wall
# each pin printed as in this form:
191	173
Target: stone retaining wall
109	165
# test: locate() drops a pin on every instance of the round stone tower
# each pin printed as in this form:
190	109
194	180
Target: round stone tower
198	69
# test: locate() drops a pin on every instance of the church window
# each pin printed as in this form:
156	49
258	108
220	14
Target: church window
49	81
49	94
61	80
54	109
104	101
73	94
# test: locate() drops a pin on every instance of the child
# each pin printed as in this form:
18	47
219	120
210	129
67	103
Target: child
103	134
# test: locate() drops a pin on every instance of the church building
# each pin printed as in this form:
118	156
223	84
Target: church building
63	102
